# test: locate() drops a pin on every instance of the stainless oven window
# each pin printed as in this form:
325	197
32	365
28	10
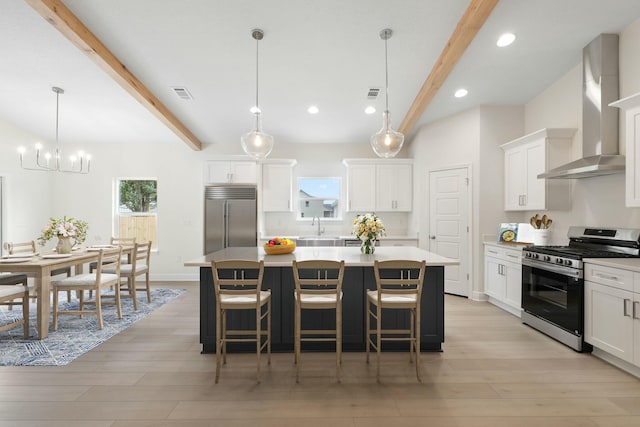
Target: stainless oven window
554	297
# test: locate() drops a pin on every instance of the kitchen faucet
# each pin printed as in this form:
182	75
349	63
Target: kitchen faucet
313	221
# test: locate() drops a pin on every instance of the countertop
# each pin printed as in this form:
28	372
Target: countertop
516	246
351	256
632	264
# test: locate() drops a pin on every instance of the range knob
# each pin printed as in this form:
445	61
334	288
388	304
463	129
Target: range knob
558	260
568	262
536	256
547	258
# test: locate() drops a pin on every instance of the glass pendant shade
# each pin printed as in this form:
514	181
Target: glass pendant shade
256	143
387	142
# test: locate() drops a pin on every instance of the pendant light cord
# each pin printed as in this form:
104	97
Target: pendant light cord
257	75
57	112
386	76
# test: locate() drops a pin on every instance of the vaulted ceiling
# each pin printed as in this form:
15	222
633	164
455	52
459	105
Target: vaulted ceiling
325	53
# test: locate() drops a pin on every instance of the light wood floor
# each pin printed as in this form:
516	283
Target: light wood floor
494	371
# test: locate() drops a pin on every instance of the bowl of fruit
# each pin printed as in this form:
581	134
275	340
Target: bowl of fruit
279	246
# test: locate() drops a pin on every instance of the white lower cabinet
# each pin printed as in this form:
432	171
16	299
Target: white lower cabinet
503	277
612	311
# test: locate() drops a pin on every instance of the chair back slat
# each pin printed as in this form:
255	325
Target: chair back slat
21	247
399	277
237	277
318	277
108	259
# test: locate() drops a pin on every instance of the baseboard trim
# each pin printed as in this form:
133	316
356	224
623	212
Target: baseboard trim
617	362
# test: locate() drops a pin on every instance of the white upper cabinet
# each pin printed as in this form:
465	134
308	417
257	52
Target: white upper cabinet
530	155
394	187
631	106
379	185
277	184
231	172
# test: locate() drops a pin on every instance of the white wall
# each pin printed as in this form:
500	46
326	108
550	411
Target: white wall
470	138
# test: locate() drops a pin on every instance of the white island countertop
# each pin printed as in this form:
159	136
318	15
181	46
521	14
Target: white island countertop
351	256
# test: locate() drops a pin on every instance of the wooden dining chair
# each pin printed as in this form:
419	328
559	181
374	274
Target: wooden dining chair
29	249
117	241
11	289
139	265
238	286
98	281
318	287
398	287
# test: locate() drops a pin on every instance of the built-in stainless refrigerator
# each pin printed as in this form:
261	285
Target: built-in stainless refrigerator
230	217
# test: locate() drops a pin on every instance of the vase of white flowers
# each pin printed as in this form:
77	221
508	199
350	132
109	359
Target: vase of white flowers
64	229
368	228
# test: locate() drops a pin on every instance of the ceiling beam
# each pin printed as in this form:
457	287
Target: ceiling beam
58	15
474	17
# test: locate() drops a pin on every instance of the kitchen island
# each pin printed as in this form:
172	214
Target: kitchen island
358	278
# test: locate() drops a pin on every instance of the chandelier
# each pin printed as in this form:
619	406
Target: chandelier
256	143
387	142
79	163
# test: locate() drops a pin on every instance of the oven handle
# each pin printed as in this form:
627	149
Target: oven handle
570	272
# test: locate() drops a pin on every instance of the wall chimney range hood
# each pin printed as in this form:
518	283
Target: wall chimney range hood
599	120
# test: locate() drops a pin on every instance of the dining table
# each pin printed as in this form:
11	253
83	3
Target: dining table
39	267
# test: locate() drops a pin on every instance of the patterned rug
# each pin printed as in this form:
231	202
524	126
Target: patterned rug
74	336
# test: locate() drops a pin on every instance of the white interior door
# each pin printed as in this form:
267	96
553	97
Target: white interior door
449	225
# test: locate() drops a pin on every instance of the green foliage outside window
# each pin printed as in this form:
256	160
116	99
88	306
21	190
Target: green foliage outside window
139	195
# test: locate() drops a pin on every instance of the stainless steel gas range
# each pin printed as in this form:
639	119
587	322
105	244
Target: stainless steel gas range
553	280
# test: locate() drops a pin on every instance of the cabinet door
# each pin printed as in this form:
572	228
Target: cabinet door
243	172
535	163
404	188
230	172
276	188
608	319
385	184
514	183
361	188
513	285
495	282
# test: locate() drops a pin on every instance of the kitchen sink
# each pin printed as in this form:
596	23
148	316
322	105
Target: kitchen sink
319	241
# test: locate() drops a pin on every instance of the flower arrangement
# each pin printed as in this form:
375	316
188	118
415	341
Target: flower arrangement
368	228
64	227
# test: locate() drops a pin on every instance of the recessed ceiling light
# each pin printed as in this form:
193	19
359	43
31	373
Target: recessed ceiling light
461	93
313	110
254	110
506	39
370	109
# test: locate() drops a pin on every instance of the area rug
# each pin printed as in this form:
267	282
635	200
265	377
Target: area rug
74	336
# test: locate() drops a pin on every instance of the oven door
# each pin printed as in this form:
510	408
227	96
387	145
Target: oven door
554	294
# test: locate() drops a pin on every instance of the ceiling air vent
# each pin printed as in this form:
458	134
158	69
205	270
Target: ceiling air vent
373	93
182	93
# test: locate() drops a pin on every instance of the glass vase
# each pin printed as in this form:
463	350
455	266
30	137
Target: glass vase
367	247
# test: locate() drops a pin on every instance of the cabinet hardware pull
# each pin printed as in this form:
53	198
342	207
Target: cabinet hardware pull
625	313
492	252
635	303
607	277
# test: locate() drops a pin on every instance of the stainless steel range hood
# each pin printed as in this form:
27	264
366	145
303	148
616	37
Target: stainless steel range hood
599	120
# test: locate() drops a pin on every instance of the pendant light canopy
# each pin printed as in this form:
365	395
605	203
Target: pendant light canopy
256	143
80	163
387	142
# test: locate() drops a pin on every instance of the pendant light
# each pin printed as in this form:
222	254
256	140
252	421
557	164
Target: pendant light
387	142
256	143
80	163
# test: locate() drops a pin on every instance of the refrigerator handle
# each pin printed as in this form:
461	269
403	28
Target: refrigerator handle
226	224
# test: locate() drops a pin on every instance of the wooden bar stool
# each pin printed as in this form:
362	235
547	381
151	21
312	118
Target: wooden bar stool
396	288
238	286
318	287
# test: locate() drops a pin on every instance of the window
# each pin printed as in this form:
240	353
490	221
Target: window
319	197
136	209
